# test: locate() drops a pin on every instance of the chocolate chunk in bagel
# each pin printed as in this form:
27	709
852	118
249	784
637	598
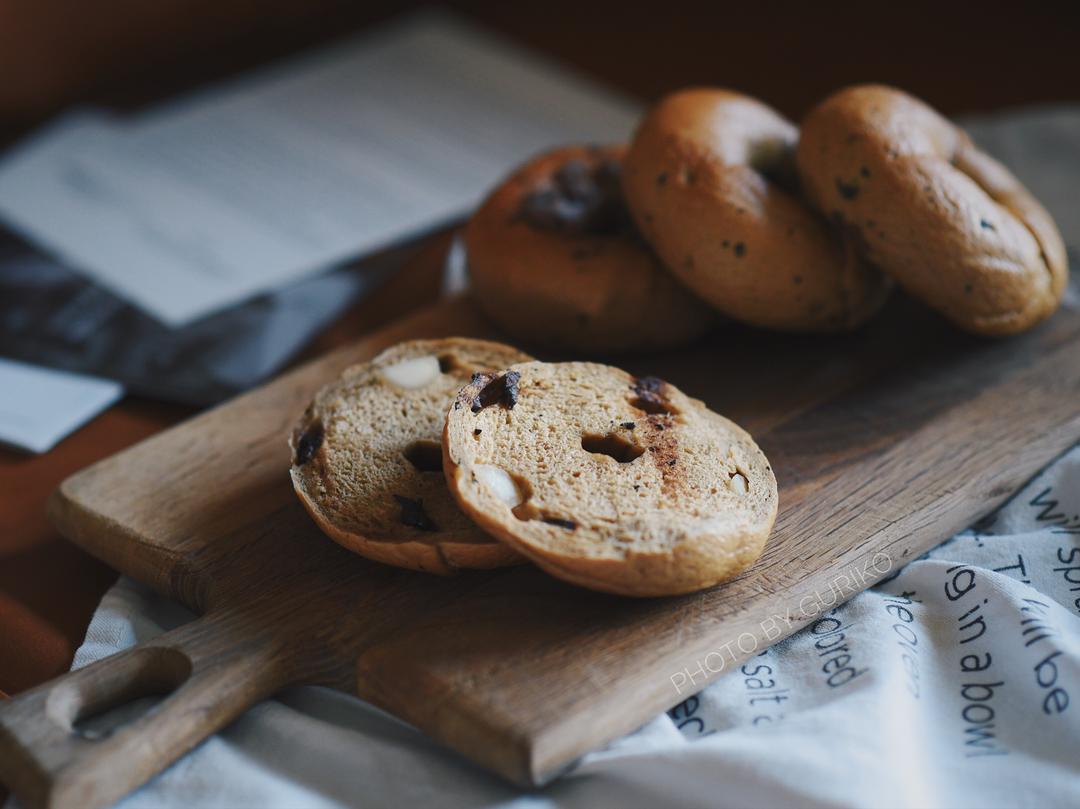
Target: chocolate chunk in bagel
582	199
710	181
946	220
555	260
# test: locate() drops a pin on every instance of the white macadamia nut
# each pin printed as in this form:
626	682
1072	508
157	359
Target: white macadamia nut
499	481
411	374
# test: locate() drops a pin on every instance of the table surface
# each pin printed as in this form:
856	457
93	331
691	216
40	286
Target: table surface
960	59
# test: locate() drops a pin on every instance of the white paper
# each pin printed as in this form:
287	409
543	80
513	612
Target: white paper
39	406
208	200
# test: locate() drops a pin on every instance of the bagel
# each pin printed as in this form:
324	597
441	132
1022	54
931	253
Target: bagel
709	179
554	260
616	483
952	225
367	457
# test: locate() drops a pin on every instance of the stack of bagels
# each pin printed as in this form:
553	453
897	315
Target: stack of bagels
721	205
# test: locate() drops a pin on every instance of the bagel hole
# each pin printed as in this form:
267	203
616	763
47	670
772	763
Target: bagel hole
425	456
613	445
775	161
783	178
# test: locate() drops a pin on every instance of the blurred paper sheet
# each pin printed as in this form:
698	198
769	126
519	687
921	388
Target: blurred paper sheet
206	201
39	406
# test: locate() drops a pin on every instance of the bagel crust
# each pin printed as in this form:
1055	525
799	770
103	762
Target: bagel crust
710	181
952	225
554	260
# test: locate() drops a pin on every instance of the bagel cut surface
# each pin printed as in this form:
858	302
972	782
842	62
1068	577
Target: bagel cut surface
555	260
615	483
710	181
367	457
952	225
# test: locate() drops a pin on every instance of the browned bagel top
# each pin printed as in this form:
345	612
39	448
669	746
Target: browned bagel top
729	127
555	259
949	222
710	180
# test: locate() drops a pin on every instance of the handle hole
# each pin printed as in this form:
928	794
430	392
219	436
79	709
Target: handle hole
101	724
103	698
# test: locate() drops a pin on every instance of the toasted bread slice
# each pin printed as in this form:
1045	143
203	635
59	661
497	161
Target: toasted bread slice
367	460
611	482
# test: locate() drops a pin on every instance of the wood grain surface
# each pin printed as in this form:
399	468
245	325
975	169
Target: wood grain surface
884	443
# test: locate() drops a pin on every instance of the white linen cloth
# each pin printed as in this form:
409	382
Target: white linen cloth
955	683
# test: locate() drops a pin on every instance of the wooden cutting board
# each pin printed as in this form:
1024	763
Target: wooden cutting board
884	443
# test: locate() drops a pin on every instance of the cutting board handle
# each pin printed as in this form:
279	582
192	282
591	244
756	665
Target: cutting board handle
209	672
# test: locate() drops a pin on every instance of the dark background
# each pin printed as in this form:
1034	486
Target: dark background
961	57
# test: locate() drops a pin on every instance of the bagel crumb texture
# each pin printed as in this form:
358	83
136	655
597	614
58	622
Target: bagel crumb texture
367	456
617	483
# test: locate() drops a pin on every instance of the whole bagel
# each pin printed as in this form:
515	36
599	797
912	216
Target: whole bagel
554	260
710	181
947	221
